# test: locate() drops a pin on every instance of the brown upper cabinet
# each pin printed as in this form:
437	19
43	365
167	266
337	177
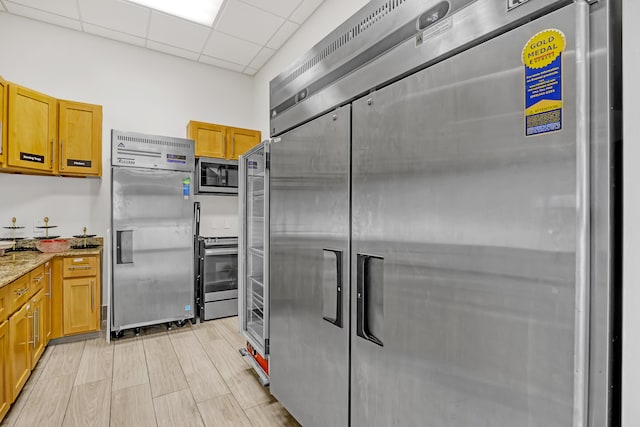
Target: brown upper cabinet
80	138
43	135
223	142
4	100
32	129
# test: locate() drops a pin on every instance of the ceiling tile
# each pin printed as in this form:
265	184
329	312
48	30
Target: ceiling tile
222	64
68	8
43	16
172	50
305	10
177	32
223	46
261	58
114	35
116	15
278	7
250	71
248	23
282	35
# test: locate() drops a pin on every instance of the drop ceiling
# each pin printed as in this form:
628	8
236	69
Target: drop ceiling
245	34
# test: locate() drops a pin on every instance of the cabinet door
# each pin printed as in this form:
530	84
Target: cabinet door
209	138
19	350
37	336
56	298
241	141
5	394
5	303
4	100
80	136
80	305
32	129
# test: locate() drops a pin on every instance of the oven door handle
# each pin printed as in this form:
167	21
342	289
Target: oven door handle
225	251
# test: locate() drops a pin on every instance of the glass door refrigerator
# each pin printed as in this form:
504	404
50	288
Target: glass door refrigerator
253	259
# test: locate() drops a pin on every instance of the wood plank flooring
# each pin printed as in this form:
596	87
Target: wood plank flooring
191	376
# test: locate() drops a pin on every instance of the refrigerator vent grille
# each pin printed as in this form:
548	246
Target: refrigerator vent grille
355	31
153	141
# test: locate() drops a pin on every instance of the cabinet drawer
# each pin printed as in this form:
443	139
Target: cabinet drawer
19	292
38	280
5	303
80	266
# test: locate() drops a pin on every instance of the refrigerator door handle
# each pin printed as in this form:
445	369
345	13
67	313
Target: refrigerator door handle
124	247
337	321
196	219
363	326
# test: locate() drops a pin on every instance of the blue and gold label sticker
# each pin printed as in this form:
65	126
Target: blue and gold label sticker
542	58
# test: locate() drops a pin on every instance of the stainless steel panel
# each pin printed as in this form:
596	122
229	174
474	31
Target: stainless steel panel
221	295
309	213
219	309
473	21
158	285
476	225
130	149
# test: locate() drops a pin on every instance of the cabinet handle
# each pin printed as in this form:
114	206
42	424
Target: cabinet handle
233	145
48	273
51	159
92	295
36	332
22	291
62	154
38	279
80	267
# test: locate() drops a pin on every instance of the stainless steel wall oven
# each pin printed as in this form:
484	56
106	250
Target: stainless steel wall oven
217	279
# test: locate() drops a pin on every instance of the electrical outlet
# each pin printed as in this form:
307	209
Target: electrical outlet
227	223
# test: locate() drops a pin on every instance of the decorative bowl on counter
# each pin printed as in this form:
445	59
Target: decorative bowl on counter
51	246
4	246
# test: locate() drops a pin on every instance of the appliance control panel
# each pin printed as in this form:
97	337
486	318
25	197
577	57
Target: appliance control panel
131	149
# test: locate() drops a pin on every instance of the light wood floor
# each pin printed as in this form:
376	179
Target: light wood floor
191	376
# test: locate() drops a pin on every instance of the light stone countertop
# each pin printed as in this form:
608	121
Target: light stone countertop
24	262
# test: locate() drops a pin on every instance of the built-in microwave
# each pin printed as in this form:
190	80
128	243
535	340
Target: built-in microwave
216	176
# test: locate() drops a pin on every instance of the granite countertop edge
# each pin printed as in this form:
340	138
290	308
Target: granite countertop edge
26	261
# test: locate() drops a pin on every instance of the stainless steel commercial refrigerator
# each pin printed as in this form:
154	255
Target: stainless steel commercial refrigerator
253	263
153	230
443	217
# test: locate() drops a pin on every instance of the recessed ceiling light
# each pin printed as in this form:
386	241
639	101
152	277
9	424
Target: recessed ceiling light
201	11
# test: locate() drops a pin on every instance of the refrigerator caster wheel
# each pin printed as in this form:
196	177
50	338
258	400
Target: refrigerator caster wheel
180	323
169	326
137	331
117	334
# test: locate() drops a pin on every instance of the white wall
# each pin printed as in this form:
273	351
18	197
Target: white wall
139	90
325	19
631	213
218	216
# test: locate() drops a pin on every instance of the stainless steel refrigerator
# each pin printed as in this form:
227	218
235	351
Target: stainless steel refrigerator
443	218
153	230
253	263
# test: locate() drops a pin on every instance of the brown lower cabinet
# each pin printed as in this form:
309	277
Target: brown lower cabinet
58	298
